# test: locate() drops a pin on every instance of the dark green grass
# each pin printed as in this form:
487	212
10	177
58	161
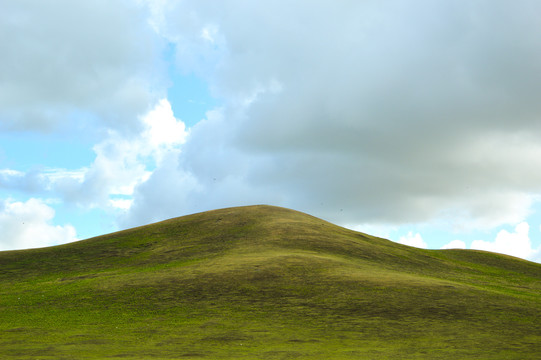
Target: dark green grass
264	283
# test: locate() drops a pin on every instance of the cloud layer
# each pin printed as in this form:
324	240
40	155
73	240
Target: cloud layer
375	112
361	111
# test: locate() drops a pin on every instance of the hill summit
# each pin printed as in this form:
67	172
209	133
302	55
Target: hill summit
263	282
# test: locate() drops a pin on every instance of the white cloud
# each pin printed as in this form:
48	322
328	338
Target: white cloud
116	169
163	131
516	243
28	225
209	33
413	240
6	173
455	244
122	204
122	161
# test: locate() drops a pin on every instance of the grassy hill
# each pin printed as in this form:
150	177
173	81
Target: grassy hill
263	282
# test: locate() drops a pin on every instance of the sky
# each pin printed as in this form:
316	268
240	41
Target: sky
418	121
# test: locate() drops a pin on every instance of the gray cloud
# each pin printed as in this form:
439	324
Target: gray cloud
62	59
389	111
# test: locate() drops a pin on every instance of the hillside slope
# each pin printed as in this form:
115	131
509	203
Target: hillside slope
263	282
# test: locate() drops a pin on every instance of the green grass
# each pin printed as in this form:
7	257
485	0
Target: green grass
264	283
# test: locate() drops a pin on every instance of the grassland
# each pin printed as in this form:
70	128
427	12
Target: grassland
264	282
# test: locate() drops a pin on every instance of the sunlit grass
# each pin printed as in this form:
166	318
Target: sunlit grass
264	283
